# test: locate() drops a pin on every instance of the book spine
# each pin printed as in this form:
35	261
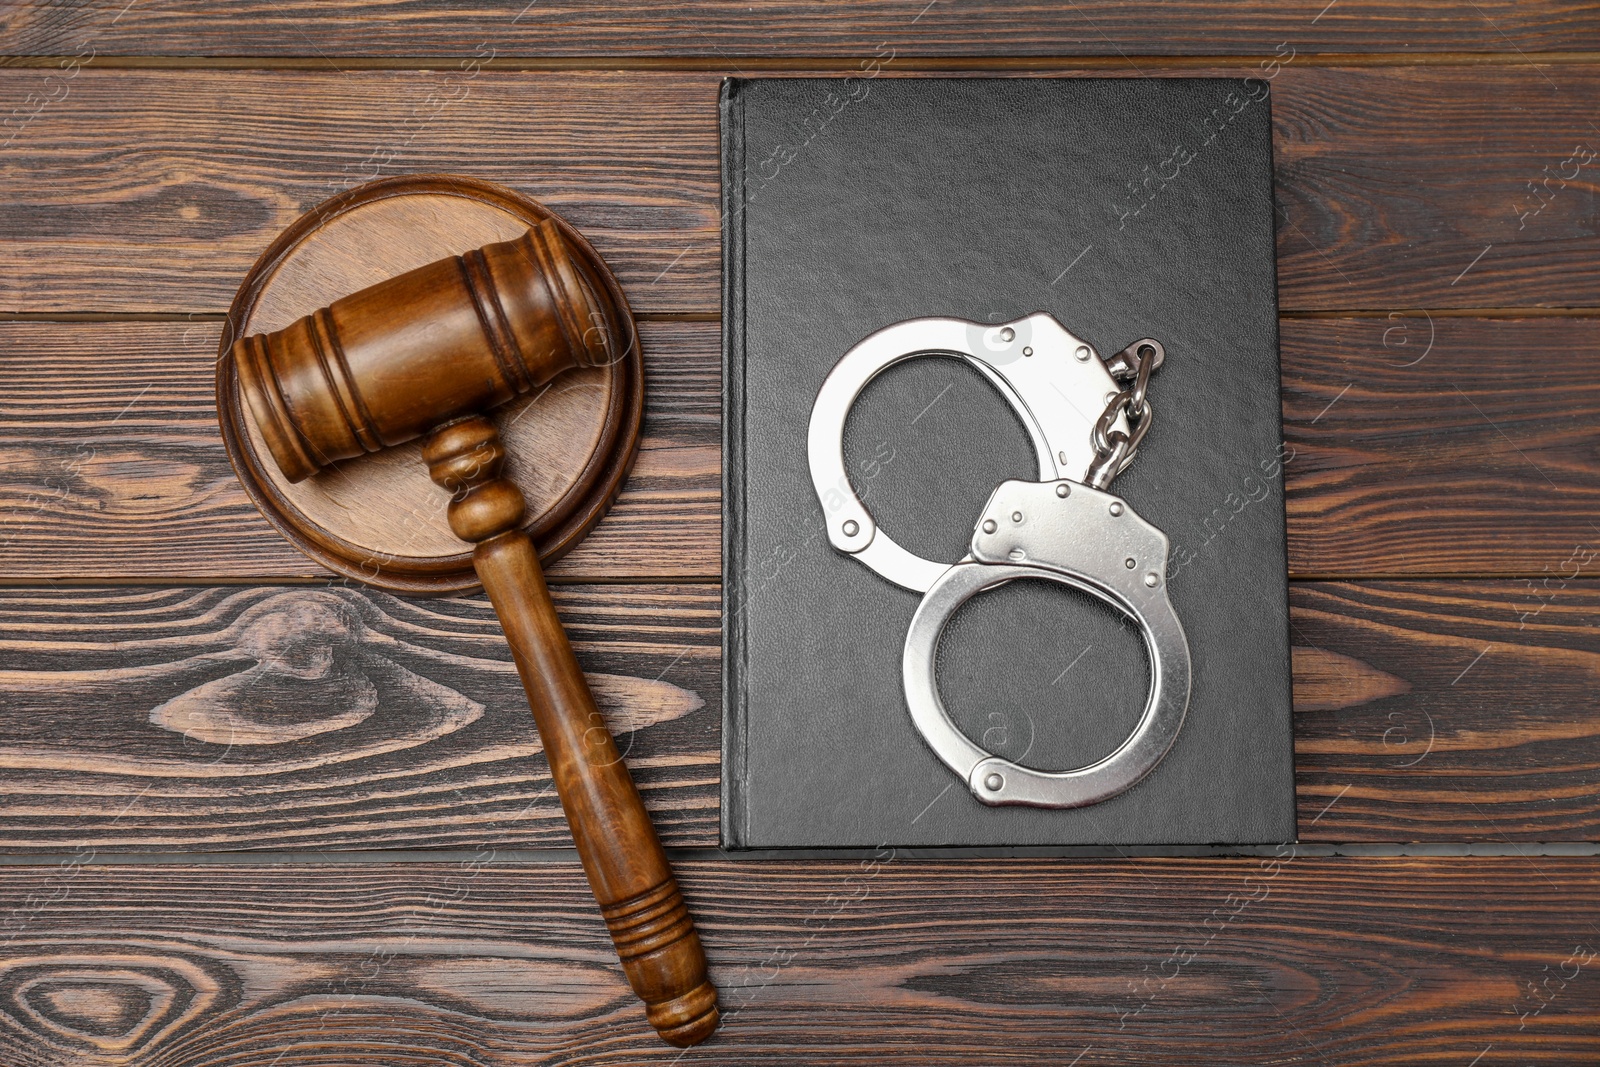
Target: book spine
1269	210
734	815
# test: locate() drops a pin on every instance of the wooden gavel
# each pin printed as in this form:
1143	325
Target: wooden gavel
428	353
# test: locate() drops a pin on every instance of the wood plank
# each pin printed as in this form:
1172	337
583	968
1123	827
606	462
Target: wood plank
773	28
1440	445
326	718
1447	711
299	717
113	464
1436	187
163	194
1435	445
1271	960
148	191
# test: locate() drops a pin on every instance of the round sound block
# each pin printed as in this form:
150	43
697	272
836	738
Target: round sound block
379	518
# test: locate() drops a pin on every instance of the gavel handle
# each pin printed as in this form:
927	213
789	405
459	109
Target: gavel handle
627	869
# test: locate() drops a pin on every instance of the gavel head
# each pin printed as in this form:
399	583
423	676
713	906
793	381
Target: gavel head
456	337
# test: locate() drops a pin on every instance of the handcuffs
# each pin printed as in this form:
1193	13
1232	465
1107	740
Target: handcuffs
1085	417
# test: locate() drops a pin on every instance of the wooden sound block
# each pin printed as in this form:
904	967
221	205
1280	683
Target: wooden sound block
379	518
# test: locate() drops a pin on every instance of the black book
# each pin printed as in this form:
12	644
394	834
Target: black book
1124	209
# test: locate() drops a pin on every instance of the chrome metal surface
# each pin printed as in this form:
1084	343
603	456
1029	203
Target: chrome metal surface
1125	364
1085	419
1056	395
1082	540
1114	449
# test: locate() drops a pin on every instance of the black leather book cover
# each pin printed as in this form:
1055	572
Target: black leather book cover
1125	208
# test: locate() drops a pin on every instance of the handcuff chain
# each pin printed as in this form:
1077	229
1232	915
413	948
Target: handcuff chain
1114	450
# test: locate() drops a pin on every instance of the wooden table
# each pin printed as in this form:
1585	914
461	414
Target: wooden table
253	817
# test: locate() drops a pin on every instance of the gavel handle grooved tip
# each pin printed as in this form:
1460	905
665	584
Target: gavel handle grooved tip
639	898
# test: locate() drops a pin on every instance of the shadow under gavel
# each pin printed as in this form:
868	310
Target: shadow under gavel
426	354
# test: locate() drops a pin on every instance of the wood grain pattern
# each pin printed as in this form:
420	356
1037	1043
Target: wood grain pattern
1434	445
628	159
108	435
788	27
1441	446
391	266
1384	202
239	718
303	717
149	718
622	856
1453	711
482	964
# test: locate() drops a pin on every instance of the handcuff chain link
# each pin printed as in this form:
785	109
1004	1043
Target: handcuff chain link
1115	450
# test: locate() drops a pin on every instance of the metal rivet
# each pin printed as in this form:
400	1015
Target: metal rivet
1016	516
993	783
1063	489
1017	555
1110	397
1151	579
850	528
988	526
1083	353
1008	335
1027	351
1116	507
1130	563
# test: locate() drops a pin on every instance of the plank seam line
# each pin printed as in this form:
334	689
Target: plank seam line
732	61
568	856
39	583
192	317
67	318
